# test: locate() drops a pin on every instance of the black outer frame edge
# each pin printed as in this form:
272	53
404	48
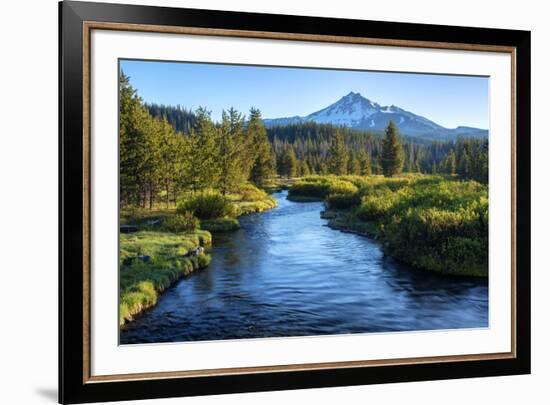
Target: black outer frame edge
523	197
70	205
71	386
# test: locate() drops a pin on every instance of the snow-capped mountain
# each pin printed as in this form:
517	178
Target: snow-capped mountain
358	112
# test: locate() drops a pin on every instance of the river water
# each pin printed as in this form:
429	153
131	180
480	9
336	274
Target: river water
285	273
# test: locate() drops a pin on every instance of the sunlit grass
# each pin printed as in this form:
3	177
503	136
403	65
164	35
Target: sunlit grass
152	261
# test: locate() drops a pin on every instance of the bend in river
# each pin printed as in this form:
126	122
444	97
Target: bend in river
285	273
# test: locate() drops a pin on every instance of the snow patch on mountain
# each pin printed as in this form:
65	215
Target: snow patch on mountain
357	112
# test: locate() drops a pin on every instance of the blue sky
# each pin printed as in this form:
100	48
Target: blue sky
282	92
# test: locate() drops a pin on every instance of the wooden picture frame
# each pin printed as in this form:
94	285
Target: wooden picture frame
76	382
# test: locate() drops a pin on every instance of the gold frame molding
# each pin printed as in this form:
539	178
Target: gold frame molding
88	26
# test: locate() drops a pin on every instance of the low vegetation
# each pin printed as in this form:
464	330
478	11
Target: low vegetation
151	261
250	199
164	248
437	223
206	209
183	221
221	225
208	204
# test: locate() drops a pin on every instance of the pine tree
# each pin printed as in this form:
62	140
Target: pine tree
354	167
410	165
304	168
131	140
289	163
484	163
364	162
230	152
464	162
449	163
338	163
392	152
417	165
263	167
169	151
139	148
202	164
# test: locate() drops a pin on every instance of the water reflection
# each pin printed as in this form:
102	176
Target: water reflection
284	273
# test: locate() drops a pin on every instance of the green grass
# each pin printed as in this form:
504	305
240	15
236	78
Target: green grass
437	223
250	199
141	282
250	207
143	216
318	188
303	198
221	225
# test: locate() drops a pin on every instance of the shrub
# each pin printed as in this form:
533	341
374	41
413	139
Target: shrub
342	187
208	204
343	200
250	193
314	189
321	187
376	204
220	224
183	222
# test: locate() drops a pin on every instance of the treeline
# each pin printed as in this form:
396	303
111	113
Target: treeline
309	148
158	163
182	119
166	150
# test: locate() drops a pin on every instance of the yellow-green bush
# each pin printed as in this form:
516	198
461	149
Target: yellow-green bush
320	187
342	200
250	193
208	204
221	224
440	226
182	222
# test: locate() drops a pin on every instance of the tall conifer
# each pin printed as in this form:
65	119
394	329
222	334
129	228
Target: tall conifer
338	163
392	152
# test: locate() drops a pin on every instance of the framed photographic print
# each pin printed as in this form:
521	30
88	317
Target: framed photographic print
256	202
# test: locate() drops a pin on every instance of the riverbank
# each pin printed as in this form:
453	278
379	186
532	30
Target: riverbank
162	246
151	261
433	223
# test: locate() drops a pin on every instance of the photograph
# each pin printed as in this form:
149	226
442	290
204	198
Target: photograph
252	201
275	202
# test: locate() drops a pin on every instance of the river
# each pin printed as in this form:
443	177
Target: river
285	273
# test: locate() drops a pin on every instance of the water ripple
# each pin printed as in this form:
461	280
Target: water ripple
286	274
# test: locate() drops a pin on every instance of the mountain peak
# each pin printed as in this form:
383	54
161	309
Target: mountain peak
353	96
356	111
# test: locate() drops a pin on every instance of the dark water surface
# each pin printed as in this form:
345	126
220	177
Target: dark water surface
286	274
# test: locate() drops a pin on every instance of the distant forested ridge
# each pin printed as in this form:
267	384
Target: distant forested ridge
179	117
311	143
